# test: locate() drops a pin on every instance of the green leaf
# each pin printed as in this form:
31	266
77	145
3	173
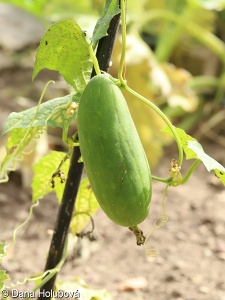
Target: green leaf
209	162
85	203
111	9
84	291
54	113
3	277
43	171
20	138
184	138
20	142
63	48
193	150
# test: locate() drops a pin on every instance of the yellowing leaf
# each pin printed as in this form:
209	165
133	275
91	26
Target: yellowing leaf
43	171
3	277
63	48
19	141
86	205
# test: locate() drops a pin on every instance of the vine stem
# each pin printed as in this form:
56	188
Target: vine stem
190	171
124	43
94	59
165	119
22	225
146	101
168	180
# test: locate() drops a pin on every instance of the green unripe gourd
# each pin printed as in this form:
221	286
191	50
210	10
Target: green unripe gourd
114	158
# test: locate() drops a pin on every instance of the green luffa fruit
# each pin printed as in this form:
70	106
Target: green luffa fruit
113	155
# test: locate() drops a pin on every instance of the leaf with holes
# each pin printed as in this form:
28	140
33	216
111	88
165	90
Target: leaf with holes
20	142
54	113
63	48
43	171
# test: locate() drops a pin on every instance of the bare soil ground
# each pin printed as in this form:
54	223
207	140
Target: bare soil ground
191	260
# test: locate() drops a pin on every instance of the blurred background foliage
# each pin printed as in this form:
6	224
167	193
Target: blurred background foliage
175	58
